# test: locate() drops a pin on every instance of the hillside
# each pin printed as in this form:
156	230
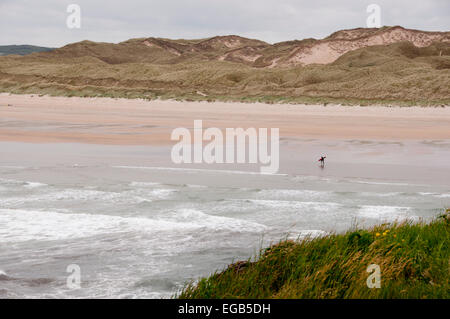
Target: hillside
21	49
390	65
413	260
247	51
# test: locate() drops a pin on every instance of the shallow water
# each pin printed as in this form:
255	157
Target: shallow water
139	227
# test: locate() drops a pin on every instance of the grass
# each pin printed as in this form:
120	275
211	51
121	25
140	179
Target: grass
413	258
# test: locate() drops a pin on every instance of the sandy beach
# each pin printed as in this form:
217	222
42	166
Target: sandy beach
30	118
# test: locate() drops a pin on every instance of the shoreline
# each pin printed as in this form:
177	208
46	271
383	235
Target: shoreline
45	119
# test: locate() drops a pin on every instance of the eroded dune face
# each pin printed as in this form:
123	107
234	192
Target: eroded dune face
311	51
328	50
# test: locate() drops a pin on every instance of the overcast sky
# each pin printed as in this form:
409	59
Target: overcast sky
43	22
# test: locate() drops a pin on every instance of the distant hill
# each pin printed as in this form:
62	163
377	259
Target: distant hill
389	65
21	49
251	52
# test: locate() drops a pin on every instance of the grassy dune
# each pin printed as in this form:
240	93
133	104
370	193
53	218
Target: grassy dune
396	74
414	260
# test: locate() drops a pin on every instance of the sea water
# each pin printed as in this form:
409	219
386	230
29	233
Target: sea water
139	227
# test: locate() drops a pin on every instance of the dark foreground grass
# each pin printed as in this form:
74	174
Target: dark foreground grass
413	258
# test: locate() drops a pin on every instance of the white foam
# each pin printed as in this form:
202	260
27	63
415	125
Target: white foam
315	195
292	193
376	194
438	195
21	183
34	184
386	213
162	193
213	222
151	194
297	205
75	195
144	184
24	225
196	186
303	178
383	183
153	184
194	170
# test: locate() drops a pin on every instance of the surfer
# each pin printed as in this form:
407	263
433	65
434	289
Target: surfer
322	160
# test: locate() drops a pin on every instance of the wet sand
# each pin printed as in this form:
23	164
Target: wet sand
27	118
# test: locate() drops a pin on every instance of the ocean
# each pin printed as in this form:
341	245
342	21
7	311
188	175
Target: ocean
140	227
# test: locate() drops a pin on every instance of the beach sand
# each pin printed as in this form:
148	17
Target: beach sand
30	118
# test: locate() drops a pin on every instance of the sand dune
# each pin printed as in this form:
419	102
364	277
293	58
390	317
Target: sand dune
252	52
389	66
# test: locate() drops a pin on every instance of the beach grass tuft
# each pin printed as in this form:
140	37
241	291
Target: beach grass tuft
413	259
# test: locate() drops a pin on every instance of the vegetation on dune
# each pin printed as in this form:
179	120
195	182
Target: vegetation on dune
414	260
212	70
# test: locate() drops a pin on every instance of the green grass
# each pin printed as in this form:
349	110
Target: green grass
414	261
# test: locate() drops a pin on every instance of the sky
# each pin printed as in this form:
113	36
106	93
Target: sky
43	22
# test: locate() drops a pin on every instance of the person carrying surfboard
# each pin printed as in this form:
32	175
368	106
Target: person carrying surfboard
322	160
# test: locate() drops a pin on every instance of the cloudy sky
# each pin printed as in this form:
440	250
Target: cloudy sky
43	22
